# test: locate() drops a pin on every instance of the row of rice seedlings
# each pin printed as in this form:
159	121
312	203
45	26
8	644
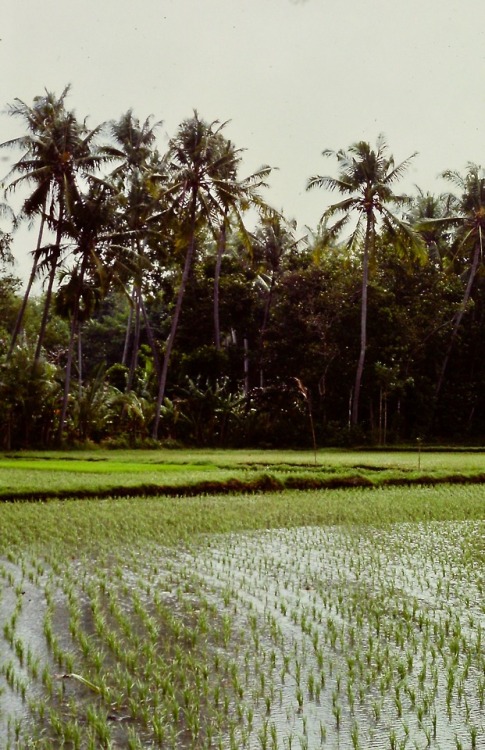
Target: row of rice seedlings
379	654
122	654
355	630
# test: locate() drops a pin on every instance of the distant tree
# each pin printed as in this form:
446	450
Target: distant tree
366	178
236	196
58	150
92	228
273	240
467	220
201	167
135	149
423	210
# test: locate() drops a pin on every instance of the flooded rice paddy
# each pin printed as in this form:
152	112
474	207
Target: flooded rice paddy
334	637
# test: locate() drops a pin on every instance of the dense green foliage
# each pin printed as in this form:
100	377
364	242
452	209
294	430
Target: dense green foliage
165	317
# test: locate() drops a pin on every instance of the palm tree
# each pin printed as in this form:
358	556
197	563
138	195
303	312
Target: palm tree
273	240
92	226
366	178
58	150
136	142
236	196
424	209
135	150
466	220
200	172
44	110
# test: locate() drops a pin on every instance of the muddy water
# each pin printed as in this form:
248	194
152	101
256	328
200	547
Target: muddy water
343	637
19	595
383	620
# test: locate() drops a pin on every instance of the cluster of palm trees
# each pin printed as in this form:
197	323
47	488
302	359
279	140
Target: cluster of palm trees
110	208
106	221
366	178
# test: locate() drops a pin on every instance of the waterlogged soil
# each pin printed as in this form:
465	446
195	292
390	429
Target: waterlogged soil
304	638
363	637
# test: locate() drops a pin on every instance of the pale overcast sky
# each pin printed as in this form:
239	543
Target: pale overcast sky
292	76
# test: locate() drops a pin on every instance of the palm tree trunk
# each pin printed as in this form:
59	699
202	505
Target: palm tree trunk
48	297
151	338
128	329
363	320
477	255
33	274
175	320
221	246
136	338
67	377
264	325
80	358
70	356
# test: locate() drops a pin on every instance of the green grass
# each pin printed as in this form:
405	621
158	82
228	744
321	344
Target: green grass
432	458
74	526
130	601
44	475
116	607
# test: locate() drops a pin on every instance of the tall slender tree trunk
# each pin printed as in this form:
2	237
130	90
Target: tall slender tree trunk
136	339
477	255
129	325
151	338
80	358
137	298
246	366
221	246
175	320
369	236
33	274
70	356
48	297
264	325
67	377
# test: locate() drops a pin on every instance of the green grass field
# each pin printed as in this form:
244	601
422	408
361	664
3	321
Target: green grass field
80	473
263	620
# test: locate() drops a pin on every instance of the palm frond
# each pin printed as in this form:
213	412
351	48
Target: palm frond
399	171
344	206
329	183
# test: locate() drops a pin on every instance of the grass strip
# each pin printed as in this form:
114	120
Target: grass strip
259	484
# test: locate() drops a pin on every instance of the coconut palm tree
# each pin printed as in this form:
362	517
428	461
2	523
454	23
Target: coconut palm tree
273	240
134	143
366	178
135	149
436	236
466	220
44	110
201	188
236	196
92	227
58	151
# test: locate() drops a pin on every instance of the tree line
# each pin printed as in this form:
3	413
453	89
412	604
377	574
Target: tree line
166	314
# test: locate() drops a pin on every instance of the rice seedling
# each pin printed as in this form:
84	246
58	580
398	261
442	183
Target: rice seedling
218	632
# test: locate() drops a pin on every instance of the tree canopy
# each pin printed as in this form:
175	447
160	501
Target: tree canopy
179	305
